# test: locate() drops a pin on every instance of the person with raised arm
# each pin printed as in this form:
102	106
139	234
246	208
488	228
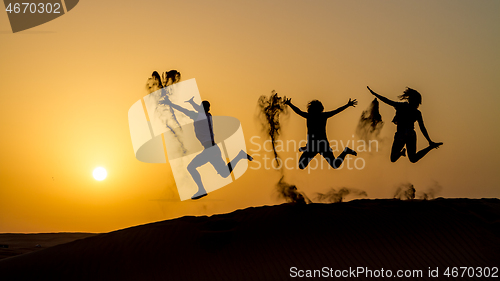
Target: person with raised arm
407	114
317	141
203	127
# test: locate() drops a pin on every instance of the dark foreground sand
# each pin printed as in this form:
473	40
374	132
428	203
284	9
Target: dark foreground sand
263	243
18	244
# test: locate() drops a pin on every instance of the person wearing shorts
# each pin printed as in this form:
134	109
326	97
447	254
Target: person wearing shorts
407	114
317	141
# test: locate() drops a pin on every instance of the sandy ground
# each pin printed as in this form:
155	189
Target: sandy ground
264	243
26	243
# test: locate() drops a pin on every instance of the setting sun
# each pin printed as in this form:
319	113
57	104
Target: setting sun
100	173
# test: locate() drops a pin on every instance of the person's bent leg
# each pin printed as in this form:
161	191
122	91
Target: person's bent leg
241	156
198	161
398	147
419	155
411	145
336	162
305	158
415	157
197	179
223	169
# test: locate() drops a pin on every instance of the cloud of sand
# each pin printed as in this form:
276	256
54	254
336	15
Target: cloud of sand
290	192
334	196
431	192
370	123
405	191
163	109
271	109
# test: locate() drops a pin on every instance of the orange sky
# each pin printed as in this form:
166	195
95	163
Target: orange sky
66	87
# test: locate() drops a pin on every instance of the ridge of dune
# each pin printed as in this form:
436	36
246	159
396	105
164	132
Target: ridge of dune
263	243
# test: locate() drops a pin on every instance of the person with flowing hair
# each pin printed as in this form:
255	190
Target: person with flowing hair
407	114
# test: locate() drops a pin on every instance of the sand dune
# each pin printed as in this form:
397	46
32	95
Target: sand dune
263	243
26	243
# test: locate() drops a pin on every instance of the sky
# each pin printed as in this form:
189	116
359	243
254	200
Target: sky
67	85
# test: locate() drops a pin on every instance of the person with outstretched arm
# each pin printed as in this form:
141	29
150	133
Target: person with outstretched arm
317	141
203	128
407	114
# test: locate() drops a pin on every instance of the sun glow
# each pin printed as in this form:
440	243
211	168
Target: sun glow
100	173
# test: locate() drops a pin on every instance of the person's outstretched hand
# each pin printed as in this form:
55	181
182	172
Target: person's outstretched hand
288	101
352	103
191	99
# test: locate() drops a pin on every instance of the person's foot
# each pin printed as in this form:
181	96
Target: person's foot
347	150
244	155
435	144
199	194
403	152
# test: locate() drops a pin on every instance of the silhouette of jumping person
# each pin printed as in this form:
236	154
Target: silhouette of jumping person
203	128
317	141
407	114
